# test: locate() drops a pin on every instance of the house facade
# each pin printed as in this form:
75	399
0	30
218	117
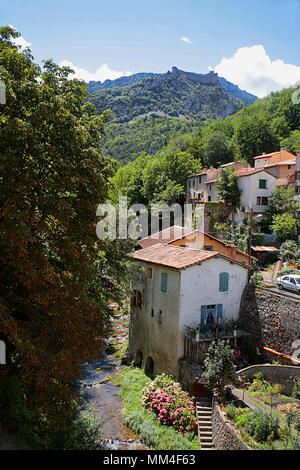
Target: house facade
178	287
256	184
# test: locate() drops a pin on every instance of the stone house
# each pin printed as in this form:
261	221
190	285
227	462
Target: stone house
179	286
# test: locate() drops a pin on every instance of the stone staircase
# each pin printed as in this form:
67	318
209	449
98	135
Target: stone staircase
204	414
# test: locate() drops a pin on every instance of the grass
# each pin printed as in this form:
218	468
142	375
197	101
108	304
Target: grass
144	422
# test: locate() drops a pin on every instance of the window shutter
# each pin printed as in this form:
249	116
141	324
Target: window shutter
223	282
203	314
219	313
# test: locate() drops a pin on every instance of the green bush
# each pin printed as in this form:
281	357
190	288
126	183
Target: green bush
262	426
230	411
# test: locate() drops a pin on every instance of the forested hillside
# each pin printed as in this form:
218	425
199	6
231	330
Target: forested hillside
125	142
265	126
177	94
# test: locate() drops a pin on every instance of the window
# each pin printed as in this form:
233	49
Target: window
164	282
149	273
193	182
136	299
262	201
209	198
208	248
292	280
200	179
262	184
223	282
160	317
211	314
152	312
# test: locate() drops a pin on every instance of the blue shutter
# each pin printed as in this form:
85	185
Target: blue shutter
223	282
203	314
164	282
219	313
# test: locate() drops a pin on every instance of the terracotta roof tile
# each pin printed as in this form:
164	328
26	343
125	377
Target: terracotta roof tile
165	236
172	256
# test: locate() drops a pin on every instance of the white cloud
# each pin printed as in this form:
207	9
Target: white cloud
20	41
102	73
252	70
185	39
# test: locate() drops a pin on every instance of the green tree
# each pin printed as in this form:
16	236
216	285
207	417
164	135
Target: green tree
253	136
219	364
282	201
285	227
53	176
228	189
289	251
217	150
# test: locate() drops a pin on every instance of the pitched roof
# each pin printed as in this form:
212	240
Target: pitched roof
177	257
165	236
172	256
269	155
252	171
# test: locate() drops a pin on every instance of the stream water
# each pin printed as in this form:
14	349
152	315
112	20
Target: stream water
102	399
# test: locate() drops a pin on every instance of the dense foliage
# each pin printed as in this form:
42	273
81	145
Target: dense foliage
173	407
56	276
125	142
155	180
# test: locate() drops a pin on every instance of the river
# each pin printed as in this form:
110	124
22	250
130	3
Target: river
102	399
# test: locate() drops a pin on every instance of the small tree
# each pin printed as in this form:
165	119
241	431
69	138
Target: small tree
219	364
285	227
289	251
228	189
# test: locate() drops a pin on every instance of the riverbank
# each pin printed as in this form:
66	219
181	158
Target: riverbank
101	396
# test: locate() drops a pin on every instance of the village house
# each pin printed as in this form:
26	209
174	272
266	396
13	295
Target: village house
256	185
186	282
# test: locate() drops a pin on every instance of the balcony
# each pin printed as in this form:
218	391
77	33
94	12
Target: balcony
197	340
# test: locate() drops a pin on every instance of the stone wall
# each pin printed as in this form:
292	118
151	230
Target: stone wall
271	319
283	375
224	434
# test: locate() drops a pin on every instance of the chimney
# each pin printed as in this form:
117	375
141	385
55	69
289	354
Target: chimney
264	153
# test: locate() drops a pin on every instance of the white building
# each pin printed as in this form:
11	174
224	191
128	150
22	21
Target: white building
179	287
256	186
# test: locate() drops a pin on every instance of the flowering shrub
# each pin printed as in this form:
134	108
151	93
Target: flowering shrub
171	404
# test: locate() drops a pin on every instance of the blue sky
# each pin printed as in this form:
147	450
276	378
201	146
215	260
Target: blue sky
141	36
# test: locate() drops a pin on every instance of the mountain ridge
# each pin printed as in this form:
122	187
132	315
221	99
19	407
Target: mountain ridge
175	93
230	88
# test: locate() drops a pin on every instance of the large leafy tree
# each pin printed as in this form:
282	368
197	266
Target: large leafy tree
253	136
53	176
217	149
